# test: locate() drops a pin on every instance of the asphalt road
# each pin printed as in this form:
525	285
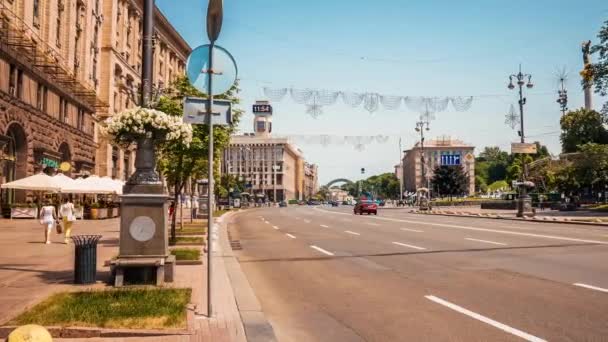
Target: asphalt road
324	274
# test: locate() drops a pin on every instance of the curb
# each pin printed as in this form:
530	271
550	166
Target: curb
257	327
498	217
75	332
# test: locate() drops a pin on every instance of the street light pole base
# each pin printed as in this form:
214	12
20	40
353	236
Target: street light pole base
524	207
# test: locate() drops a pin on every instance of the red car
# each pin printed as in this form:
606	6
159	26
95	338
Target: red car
367	207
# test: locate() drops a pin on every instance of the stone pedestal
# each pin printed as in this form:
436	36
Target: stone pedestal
524	207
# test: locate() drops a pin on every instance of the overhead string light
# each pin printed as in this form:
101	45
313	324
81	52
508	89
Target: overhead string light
315	100
512	118
359	143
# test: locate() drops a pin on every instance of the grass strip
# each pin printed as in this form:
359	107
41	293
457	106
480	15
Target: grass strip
190	254
115	309
191	240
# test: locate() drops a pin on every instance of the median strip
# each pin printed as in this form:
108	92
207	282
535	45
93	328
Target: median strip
322	250
486	320
591	287
353	233
409	246
486	241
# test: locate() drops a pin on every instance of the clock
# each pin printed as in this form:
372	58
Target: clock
142	228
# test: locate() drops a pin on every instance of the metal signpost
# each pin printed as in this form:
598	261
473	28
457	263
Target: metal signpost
202	73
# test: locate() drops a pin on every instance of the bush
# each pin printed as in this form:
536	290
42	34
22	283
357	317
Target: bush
502	205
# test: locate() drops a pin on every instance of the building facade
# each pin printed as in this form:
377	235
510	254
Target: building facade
48	87
273	168
311	181
120	55
441	151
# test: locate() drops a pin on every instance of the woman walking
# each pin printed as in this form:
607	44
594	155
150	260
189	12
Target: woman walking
47	220
67	214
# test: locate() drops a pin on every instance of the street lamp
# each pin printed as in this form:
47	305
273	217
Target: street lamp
524	203
562	97
275	167
420	128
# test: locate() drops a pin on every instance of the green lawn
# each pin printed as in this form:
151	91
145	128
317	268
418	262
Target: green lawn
125	308
186	254
190	240
192	230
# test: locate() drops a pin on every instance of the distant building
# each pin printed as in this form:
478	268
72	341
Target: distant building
340	195
441	151
267	164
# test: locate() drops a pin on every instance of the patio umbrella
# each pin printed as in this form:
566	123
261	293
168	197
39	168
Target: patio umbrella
93	185
37	182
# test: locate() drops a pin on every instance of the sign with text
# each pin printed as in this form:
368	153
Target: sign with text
262	109
195	111
450	159
524	148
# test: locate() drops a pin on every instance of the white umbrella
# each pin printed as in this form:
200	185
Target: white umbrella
109	183
37	182
93	185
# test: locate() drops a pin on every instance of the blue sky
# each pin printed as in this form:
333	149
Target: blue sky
408	48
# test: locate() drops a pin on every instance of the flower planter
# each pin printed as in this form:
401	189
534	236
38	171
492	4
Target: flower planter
94	214
26	213
102	213
114	212
79	212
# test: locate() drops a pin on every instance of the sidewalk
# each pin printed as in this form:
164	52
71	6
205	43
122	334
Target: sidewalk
30	271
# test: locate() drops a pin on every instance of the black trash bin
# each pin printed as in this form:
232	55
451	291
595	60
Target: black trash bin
85	258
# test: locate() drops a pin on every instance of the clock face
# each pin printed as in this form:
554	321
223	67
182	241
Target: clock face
142	228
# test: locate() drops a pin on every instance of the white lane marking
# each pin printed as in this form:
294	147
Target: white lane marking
486	241
591	287
412	230
410	246
346	220
297	218
372	224
275	227
322	250
324	226
291	236
353	233
307	221
552	237
486	320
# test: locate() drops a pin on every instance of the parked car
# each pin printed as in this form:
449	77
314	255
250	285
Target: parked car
334	203
282	204
301	203
312	202
368	207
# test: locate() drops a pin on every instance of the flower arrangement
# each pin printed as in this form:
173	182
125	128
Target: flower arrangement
137	123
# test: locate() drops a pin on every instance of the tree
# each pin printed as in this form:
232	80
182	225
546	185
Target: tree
492	164
597	73
450	180
580	127
587	169
180	163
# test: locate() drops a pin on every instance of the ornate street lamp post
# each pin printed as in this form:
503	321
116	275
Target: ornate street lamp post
420	128
524	203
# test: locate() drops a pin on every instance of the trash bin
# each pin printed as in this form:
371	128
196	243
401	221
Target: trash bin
85	258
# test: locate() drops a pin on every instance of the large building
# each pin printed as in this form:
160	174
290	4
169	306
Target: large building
273	167
441	151
311	180
120	55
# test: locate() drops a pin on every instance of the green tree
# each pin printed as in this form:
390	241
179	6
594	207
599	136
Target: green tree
597	73
580	127
179	163
450	180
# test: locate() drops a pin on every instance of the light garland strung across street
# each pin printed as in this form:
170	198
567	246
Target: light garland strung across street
358	142
315	100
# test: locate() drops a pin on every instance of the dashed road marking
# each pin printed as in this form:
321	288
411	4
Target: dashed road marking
410	246
486	241
307	221
486	320
353	233
275	227
372	224
324	226
412	230
291	236
591	287
322	250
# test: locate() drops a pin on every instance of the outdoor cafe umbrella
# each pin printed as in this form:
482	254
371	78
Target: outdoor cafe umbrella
38	182
93	185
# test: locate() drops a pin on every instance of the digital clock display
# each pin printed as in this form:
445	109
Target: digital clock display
262	108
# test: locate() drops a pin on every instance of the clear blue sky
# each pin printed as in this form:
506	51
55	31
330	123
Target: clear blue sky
409	48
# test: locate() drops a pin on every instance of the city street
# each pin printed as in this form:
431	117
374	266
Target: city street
324	274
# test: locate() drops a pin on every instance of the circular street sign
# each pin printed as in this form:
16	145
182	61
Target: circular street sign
224	67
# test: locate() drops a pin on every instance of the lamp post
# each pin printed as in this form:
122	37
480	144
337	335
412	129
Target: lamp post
420	128
562	97
524	203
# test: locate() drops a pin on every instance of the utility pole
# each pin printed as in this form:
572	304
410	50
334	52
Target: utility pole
524	203
400	171
587	78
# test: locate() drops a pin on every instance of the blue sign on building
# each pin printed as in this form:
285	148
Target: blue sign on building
450	159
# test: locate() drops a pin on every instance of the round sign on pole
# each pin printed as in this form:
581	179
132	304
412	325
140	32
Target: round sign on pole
224	67
215	15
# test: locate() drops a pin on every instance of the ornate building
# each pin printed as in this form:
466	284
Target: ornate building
49	74
311	180
120	56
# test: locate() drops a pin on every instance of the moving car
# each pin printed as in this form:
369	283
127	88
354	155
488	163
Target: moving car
368	207
334	203
282	204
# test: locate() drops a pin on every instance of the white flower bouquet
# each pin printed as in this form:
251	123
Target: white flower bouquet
138	123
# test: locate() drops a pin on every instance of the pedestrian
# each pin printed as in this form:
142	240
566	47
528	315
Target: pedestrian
171	210
194	206
68	217
48	218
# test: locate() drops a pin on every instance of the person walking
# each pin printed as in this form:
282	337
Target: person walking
48	217
68	217
194	206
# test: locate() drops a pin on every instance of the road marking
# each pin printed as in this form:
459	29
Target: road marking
410	246
275	227
591	287
349	232
324	226
552	237
412	230
372	224
486	320
307	221
322	250
291	236
486	241
297	218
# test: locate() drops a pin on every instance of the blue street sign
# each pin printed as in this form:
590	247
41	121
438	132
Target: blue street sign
224	68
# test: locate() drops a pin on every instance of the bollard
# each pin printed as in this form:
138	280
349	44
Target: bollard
30	333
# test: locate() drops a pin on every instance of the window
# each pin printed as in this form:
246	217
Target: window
36	10
63	110
19	84
261	126
59	17
41	95
12	84
80	120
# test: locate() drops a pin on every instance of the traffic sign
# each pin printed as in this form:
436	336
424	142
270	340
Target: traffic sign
224	70
215	15
524	148
195	111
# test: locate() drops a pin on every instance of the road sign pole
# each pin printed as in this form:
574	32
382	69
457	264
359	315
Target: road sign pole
210	184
